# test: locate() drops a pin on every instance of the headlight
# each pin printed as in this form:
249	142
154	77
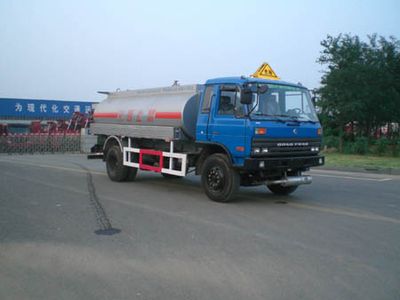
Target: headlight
256	150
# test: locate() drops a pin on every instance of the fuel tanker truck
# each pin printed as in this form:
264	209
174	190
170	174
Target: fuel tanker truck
233	131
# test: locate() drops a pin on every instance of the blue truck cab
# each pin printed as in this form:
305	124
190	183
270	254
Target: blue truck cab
268	129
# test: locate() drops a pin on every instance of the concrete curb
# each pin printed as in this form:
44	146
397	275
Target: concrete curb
388	171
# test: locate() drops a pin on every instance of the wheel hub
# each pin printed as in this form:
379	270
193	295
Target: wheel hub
215	179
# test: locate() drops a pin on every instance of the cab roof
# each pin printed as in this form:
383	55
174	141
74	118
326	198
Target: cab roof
243	79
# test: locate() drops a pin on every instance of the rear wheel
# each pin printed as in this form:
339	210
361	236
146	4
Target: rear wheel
115	169
278	189
170	176
220	181
132	172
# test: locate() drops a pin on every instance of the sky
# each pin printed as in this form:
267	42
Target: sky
72	49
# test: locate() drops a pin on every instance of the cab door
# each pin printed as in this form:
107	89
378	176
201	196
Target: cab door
208	97
227	124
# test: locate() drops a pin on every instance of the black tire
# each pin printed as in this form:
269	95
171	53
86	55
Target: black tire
220	181
115	169
278	189
132	172
170	176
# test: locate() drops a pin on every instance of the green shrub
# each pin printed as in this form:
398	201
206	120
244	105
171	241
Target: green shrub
396	147
360	146
348	147
381	146
331	141
329	131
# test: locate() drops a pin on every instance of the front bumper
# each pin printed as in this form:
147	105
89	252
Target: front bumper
283	163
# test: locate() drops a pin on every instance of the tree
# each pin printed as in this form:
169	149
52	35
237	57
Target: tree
361	83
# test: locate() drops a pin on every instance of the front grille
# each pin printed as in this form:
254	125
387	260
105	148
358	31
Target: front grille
286	147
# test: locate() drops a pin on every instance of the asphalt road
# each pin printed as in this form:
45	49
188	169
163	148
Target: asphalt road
338	238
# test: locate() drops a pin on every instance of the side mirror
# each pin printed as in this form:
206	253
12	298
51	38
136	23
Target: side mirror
313	100
246	96
262	89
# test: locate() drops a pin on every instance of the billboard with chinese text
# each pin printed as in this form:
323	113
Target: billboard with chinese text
12	108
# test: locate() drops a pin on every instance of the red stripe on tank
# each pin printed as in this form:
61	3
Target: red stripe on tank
168	115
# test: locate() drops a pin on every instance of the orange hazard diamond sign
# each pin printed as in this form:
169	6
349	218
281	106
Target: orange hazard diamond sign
265	72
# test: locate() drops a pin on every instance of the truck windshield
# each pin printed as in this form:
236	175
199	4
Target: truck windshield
282	102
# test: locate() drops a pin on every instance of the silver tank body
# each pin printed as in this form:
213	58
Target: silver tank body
175	106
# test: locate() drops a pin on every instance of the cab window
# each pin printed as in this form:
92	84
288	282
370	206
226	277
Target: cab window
205	108
229	104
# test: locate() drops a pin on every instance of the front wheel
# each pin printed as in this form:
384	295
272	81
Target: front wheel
220	181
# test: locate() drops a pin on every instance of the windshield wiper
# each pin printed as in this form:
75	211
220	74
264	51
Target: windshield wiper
297	119
292	118
271	117
274	117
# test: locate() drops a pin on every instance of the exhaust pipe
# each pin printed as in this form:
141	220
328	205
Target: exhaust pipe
291	181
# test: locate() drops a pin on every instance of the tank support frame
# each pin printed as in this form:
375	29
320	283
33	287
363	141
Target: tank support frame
138	160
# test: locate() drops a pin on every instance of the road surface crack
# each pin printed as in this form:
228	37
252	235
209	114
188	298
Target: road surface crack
104	223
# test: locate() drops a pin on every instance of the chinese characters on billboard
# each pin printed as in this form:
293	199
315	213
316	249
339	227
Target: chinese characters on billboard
42	109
